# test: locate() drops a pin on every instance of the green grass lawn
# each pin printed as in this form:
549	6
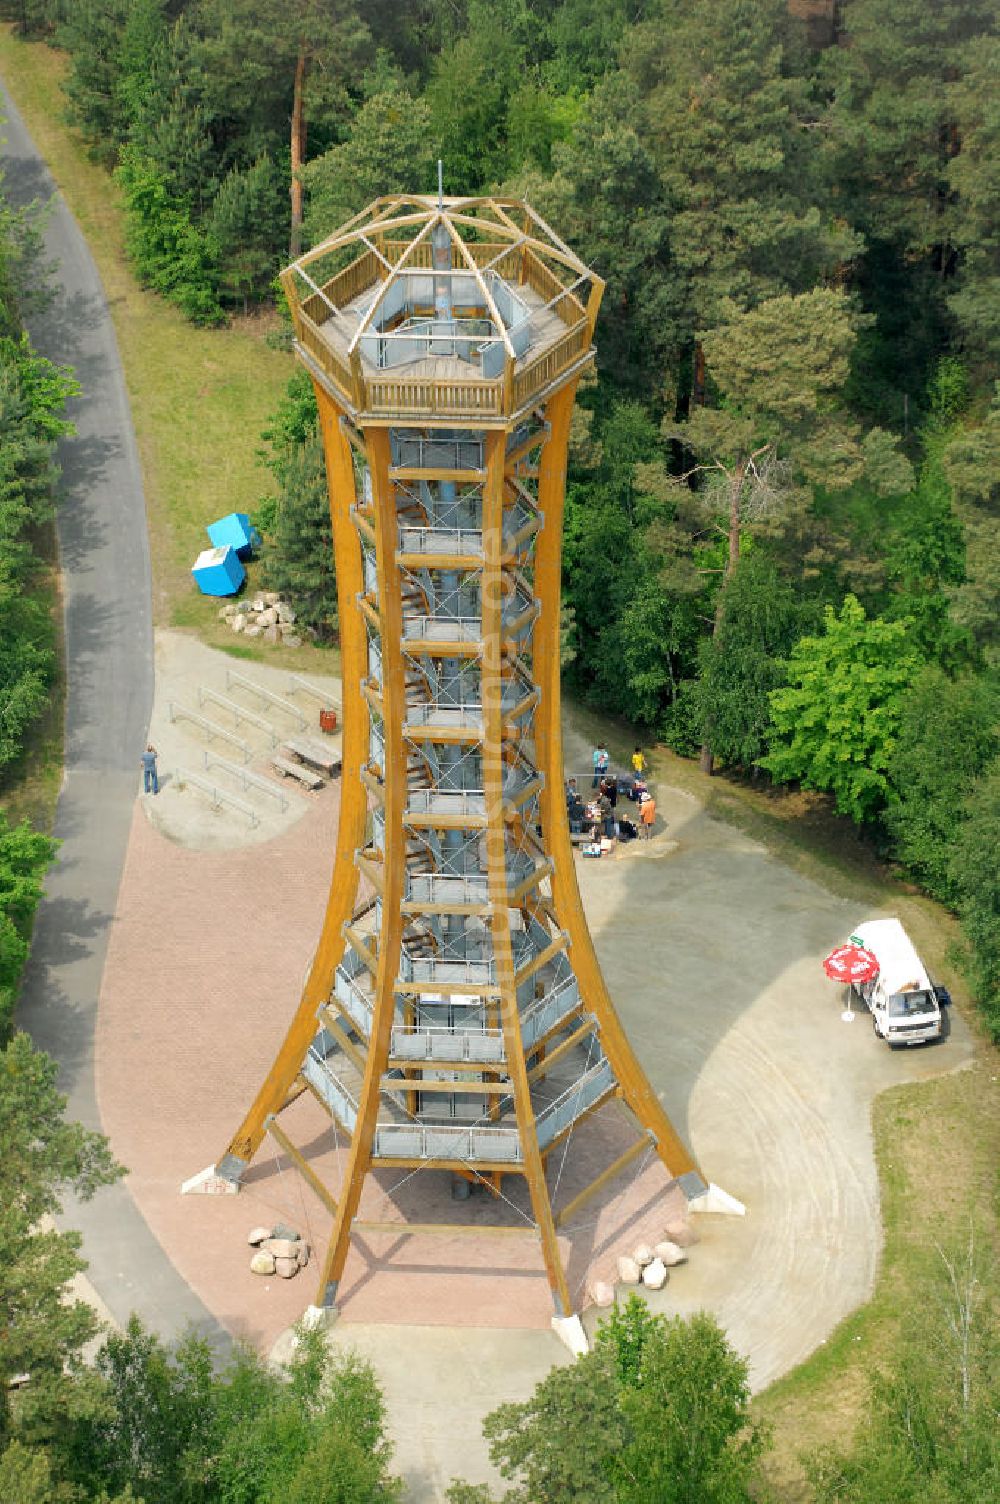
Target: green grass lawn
199	396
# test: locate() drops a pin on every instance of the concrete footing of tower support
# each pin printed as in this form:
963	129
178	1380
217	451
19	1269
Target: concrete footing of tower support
209	1182
715	1199
569	1330
314	1317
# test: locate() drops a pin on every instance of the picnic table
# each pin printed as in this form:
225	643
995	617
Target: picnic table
314	755
296	770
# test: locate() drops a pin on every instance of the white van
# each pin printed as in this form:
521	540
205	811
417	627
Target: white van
901	999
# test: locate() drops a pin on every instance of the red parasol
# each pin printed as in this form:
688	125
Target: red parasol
851	963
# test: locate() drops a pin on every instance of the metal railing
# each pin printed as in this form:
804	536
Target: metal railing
327	700
440	540
357	1004
434	887
438	1042
444	969
329	1086
462	338
239	713
218	796
267	695
446	802
574	1102
177	712
499	1145
433	713
247	780
438	454
546	1012
442	628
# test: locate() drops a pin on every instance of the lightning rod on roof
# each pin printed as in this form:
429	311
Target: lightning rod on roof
440	184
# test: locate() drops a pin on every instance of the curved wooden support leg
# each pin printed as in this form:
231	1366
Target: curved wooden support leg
353	807
631	1078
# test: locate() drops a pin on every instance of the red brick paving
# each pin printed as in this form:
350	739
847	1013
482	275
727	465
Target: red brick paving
204	967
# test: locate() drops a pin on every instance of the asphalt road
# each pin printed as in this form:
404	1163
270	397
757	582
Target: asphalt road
104	550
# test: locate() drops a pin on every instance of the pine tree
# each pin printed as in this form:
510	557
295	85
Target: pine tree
298	559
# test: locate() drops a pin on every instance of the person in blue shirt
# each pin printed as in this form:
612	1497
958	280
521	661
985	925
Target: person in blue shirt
150	782
601	763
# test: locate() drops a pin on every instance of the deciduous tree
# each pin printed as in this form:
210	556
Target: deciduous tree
42	1328
657	1413
949	733
836	722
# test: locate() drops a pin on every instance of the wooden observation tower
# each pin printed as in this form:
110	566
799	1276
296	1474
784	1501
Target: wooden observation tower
455	1017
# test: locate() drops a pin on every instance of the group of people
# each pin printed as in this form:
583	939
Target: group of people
599	816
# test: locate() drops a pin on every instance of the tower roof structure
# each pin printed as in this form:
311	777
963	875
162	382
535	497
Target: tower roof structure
443	308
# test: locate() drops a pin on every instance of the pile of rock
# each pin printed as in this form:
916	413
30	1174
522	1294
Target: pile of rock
265	615
277	1250
648	1264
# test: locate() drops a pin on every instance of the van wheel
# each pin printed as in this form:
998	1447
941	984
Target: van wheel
875	1027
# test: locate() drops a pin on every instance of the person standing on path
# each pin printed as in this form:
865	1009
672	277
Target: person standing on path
602	759
638	763
150	782
647	814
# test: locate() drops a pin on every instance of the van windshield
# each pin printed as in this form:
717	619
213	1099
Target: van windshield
909	1004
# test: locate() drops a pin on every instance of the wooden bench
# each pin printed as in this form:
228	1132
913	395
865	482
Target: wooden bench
314	754
288	769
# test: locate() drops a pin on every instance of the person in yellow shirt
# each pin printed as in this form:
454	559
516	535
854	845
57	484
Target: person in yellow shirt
638	763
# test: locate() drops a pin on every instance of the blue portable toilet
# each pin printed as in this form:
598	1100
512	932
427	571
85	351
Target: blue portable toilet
217	571
236	531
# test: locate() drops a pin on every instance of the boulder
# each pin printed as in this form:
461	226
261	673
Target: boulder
629	1272
643	1255
272	634
252	631
271	597
282	1230
291	639
268	617
286	1268
238	622
681	1232
285	612
655	1275
258	603
257	1235
670	1253
262	1263
302	1254
282	1248
602	1294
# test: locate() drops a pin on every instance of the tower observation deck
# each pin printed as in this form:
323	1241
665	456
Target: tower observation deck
454	1018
